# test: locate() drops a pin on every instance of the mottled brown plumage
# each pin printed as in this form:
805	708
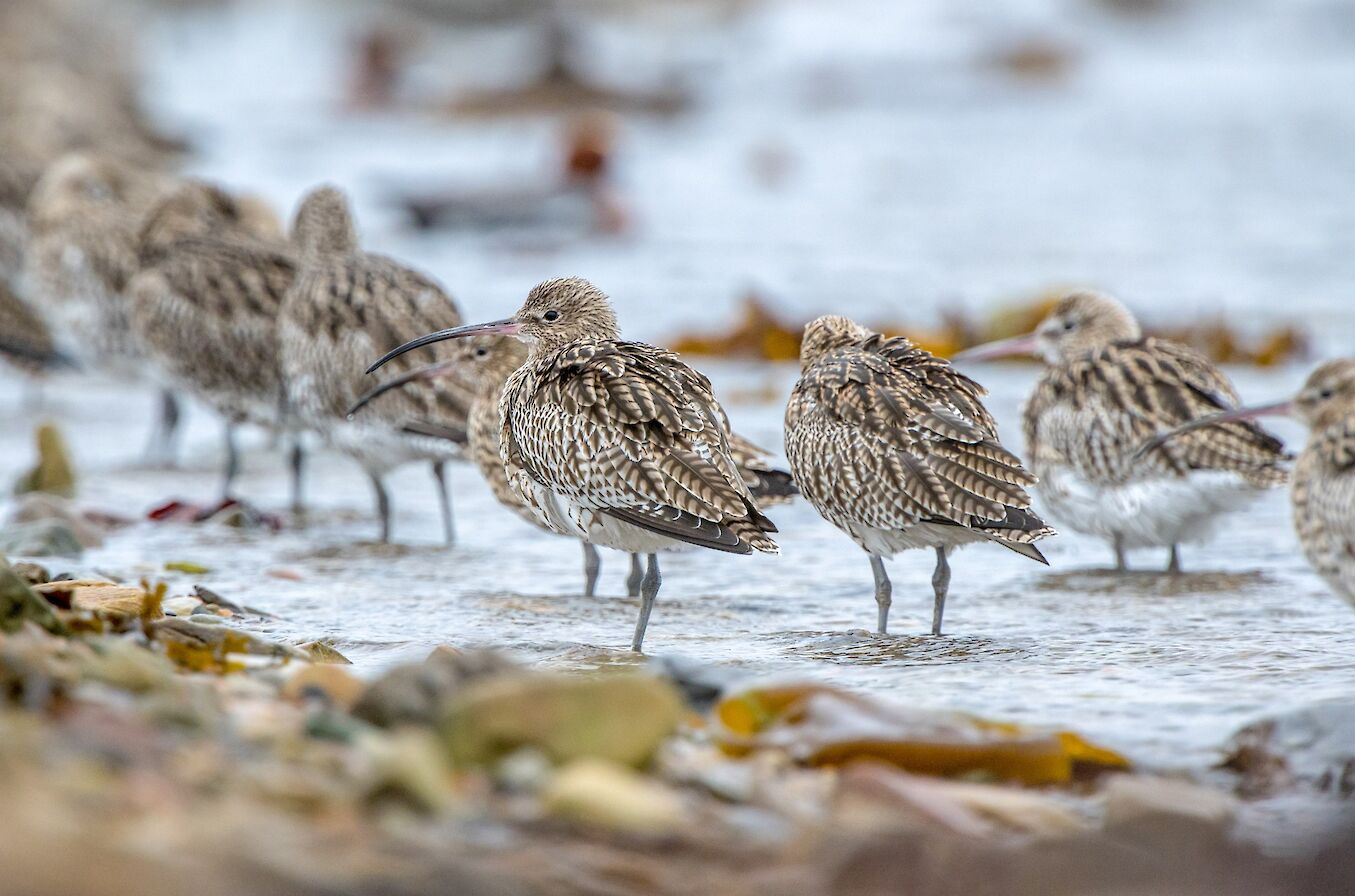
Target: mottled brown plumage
895	448
25	341
1108	389
1323	487
489	361
346	306
618	443
205	304
84	221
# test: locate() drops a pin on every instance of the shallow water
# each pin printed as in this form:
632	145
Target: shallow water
1197	166
1162	667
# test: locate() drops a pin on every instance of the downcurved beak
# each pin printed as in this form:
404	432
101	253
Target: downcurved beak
1002	348
1275	409
431	372
505	327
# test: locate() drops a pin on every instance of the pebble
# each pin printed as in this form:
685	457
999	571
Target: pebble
181	606
608	794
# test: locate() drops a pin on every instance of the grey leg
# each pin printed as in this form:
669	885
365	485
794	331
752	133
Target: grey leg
1174	560
884	591
232	462
592	565
637	572
649	589
297	461
444	502
1120	564
161	448
940	585
383	506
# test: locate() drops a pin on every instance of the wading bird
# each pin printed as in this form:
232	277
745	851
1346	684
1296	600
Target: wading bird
1108	389
1323	488
618	443
345	306
488	361
205	305
894	447
84	222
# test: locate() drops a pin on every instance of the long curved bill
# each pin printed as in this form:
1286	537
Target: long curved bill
1274	409
1002	348
430	372
505	327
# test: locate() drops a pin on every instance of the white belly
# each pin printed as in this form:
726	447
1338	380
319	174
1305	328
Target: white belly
1146	513
888	542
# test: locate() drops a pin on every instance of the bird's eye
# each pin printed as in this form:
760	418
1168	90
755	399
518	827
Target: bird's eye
1325	394
1068	324
551	316
481	352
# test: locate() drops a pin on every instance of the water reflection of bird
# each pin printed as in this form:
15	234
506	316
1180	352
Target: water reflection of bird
205	305
345	306
894	447
1323	489
84	221
618	443
580	198
1108	389
488	361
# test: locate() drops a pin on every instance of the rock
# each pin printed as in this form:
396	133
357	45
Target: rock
31	573
184	605
20	604
40	507
622	717
94	596
36	670
128	665
332	684
408	765
1163	812
324	652
419	693
965	808
48	538
610	795
1313	746
53	473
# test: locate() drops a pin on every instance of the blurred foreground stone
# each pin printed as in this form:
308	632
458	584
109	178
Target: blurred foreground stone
151	753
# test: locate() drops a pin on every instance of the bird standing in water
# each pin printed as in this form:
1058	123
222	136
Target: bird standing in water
345	305
205	305
1108	389
894	447
618	443
1323	487
84	221
488	362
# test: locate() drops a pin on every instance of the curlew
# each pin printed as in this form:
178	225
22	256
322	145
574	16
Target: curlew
1106	390
204	307
24	339
1323	488
618	443
345	306
84	219
487	362
895	448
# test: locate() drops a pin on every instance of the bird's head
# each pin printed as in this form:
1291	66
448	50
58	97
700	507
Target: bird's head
1080	323
78	185
1328	395
194	208
555	314
323	225
828	333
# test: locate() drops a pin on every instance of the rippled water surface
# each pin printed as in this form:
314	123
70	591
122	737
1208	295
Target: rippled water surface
1193	166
